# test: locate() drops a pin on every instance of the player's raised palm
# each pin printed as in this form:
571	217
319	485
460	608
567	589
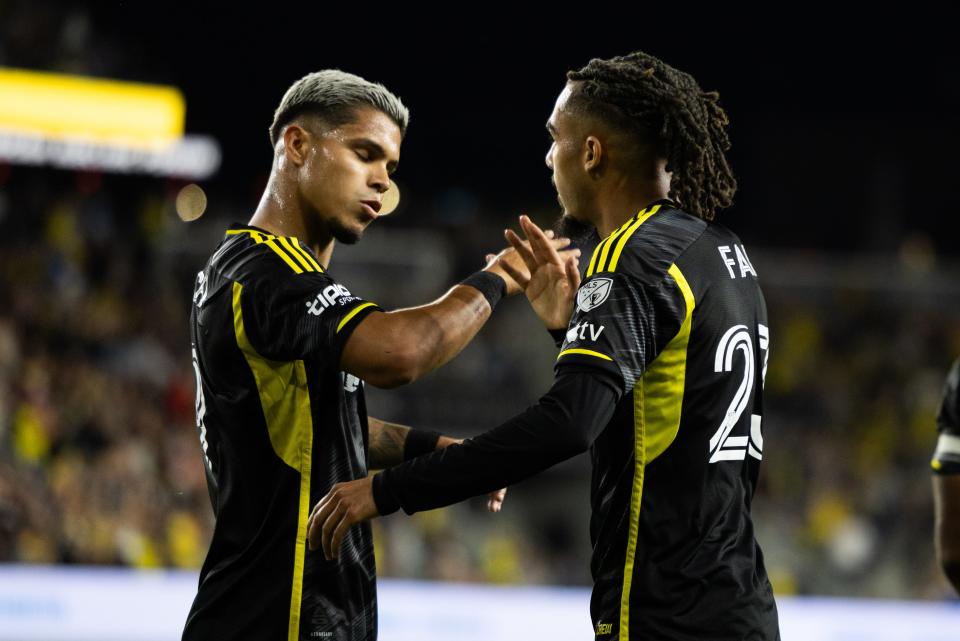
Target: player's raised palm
553	277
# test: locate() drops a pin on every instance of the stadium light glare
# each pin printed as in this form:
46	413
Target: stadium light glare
74	122
57	106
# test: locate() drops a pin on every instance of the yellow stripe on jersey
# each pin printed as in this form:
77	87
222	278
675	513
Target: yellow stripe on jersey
615	258
636	495
585	352
285	243
600	251
307	255
664	379
285	401
657	404
272	244
287	249
608	243
356	310
299	552
593	259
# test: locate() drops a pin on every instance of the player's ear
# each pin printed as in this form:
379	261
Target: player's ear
592	154
296	142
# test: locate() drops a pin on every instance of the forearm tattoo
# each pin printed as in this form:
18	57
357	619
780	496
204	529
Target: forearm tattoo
386	443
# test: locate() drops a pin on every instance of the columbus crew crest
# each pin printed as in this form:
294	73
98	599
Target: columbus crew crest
594	293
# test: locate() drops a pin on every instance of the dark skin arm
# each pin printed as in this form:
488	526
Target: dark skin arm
389	349
387	441
946	500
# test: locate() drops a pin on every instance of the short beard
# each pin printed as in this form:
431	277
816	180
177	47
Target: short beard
341	234
576	230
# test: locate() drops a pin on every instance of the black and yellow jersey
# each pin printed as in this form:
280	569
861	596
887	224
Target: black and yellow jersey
946	458
661	377
671	305
279	425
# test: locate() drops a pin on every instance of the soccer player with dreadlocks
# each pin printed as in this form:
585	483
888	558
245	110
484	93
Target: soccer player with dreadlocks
660	372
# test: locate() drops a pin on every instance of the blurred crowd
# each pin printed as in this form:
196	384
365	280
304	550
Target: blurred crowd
100	462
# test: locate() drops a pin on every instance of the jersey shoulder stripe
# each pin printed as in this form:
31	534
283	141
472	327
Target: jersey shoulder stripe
648	244
602	255
288	249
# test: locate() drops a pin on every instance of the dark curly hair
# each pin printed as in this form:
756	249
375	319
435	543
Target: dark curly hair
665	107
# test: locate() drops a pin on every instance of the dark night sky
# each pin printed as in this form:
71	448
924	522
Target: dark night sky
854	125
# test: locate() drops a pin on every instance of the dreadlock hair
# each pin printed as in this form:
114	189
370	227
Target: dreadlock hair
659	105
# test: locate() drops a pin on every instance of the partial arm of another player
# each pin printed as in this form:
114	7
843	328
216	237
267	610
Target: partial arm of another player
392	444
946	480
389	349
946	501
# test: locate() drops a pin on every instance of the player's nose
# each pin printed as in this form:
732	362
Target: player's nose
380	180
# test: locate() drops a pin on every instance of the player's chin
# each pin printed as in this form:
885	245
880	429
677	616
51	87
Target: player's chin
569	226
348	235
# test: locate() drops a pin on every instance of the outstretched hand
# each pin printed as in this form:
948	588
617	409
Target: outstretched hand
508	262
349	503
551	278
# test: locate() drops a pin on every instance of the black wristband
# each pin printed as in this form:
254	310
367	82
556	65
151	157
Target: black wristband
559	335
492	287
419	442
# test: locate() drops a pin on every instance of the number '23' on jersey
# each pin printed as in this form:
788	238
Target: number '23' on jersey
671	304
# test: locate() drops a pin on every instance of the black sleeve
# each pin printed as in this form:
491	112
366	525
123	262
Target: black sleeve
291	317
946	458
561	425
558	336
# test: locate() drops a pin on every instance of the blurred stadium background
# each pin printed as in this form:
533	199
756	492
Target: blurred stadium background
846	154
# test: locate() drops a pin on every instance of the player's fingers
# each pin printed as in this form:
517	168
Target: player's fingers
569	254
338	533
540	245
572	268
522	248
315	522
522	278
549	234
332	523
310	530
557	243
328	527
319	506
495	503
